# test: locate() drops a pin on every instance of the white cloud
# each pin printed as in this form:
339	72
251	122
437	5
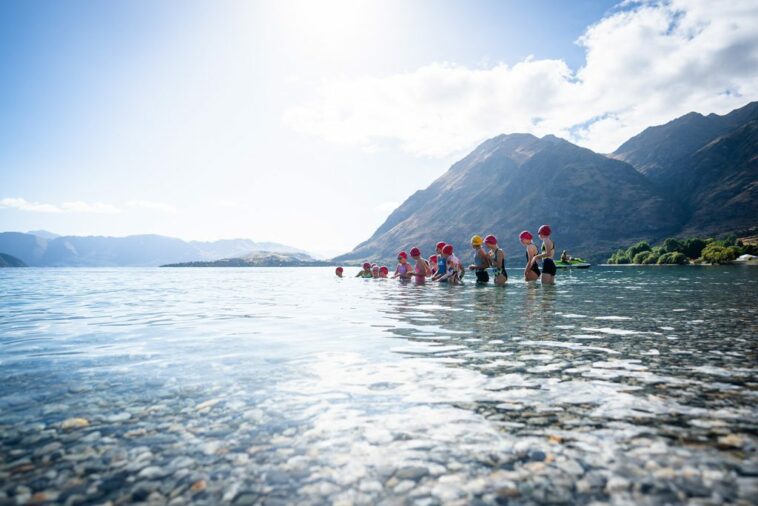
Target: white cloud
66	207
85	207
24	205
226	203
646	63
153	206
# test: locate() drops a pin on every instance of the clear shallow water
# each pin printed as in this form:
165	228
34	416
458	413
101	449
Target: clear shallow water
289	385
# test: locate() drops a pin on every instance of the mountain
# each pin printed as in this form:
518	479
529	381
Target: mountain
694	175
258	259
44	234
660	152
707	164
518	181
135	250
10	261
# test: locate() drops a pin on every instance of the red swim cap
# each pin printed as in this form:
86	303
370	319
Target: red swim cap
384	269
415	252
544	230
448	249
403	254
367	266
433	258
440	245
339	269
525	236
490	239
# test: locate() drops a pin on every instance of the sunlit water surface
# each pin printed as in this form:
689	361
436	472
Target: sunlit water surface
275	386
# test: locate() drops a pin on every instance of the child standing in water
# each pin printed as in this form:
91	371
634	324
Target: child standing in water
403	269
433	264
497	260
532	271
454	268
366	272
422	270
338	271
481	261
548	250
441	262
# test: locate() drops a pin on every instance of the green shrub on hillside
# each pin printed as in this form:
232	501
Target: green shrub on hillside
641	257
680	251
672	258
651	259
693	247
637	248
672	245
716	253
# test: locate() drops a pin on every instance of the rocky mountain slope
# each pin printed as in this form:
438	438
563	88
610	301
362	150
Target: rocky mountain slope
696	174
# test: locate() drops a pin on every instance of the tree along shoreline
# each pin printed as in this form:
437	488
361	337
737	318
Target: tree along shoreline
689	251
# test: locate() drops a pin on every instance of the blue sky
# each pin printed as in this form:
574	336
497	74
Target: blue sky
308	122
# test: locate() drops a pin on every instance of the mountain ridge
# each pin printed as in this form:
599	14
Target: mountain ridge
133	250
653	186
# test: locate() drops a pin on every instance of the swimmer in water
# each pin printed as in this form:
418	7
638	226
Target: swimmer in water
454	268
549	268
338	271
481	261
403	269
497	260
366	272
421	269
532	270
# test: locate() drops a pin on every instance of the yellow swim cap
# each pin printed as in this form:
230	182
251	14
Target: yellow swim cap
476	240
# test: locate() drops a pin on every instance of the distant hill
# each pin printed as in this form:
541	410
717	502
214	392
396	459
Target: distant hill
44	234
10	261
135	250
259	259
694	175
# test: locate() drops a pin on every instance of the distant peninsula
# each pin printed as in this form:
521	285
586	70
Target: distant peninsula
10	261
258	259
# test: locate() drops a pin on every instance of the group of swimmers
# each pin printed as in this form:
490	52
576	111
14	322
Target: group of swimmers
445	267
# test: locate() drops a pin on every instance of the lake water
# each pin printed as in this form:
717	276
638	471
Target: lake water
249	386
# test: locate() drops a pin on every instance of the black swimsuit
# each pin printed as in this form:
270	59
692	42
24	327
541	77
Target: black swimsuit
535	267
548	266
501	269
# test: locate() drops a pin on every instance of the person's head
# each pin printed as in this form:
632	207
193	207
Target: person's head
338	271
525	237
491	242
367	267
476	242
439	247
375	270
415	253
447	250
402	257
433	259
544	232
383	271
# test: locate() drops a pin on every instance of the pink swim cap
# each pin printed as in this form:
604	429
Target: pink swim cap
525	236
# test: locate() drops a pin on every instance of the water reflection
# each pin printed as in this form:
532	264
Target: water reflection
253	386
